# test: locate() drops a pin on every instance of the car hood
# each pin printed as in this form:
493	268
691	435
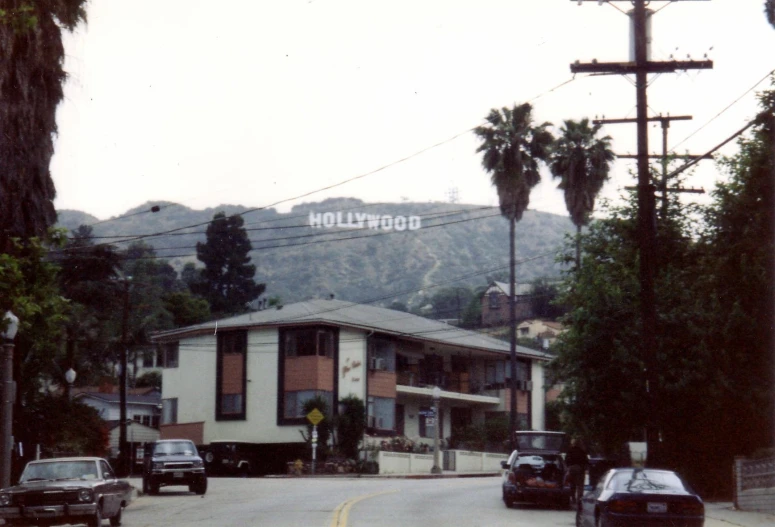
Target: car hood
32	486
176	459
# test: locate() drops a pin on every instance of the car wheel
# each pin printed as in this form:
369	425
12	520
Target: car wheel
115	521
201	487
96	520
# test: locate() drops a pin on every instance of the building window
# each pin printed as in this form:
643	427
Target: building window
168	354
494	300
231	376
382	354
169	411
381	413
148	359
305	342
295	401
524	332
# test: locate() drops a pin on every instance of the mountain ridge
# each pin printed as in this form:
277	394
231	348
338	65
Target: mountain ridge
312	252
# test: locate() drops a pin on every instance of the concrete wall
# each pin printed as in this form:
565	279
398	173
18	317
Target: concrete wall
460	461
755	484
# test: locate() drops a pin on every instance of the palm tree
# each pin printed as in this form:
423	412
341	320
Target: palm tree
31	77
581	161
512	146
769	9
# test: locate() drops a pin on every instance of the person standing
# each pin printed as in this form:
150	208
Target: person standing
577	461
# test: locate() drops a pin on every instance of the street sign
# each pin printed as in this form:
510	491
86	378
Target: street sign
315	416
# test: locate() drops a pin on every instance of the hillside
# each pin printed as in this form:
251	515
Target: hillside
377	259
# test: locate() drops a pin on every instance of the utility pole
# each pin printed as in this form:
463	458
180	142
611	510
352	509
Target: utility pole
122	443
641	66
665	122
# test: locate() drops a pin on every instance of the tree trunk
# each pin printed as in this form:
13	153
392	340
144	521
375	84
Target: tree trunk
578	247
513	329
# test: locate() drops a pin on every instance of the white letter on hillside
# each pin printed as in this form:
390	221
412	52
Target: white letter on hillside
414	223
315	220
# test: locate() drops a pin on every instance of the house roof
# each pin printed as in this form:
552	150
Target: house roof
520	290
153	400
353	315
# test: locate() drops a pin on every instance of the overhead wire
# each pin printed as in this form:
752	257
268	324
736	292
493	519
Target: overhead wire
343	182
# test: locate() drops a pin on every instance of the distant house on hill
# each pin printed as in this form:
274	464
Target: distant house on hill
495	303
544	331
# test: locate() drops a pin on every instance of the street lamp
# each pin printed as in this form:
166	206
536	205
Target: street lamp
6	437
436	469
70	378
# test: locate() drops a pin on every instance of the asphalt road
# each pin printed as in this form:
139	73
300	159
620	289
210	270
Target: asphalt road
343	502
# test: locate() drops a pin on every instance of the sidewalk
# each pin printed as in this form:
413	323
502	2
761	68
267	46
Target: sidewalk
725	512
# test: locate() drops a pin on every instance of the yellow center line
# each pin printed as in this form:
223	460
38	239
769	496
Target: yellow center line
342	510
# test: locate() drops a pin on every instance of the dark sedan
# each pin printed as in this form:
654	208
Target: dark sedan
65	490
636	497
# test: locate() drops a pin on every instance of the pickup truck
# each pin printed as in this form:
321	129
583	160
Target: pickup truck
173	462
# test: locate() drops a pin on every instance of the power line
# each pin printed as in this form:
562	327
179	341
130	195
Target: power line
722	111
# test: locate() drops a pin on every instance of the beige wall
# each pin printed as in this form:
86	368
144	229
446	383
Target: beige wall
352	364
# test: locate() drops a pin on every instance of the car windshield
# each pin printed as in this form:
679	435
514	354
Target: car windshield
175	448
60	470
645	481
539	441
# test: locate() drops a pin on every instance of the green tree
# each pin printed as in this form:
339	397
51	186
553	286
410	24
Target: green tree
62	427
150	379
350	425
450	302
581	160
543	299
28	287
87	274
186	309
31	77
512	146
769	9
226	281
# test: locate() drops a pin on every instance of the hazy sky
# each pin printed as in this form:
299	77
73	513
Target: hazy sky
254	102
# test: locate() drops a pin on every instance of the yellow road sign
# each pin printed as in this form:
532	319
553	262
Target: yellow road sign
315	416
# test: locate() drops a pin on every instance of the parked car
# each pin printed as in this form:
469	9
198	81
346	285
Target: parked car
230	458
638	496
173	462
536	472
65	490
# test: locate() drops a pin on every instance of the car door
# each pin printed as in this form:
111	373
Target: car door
111	490
586	510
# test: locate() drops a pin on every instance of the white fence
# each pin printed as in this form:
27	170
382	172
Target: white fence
461	461
755	484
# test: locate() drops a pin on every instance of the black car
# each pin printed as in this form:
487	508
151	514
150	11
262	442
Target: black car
231	458
536	471
642	497
65	490
173	462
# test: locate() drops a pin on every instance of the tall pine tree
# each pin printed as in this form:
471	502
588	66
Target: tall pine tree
226	281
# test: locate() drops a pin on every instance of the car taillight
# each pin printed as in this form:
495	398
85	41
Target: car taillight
623	506
690	508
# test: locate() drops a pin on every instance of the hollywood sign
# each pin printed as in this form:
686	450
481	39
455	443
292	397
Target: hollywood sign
360	220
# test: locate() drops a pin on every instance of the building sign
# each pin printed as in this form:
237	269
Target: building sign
361	220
